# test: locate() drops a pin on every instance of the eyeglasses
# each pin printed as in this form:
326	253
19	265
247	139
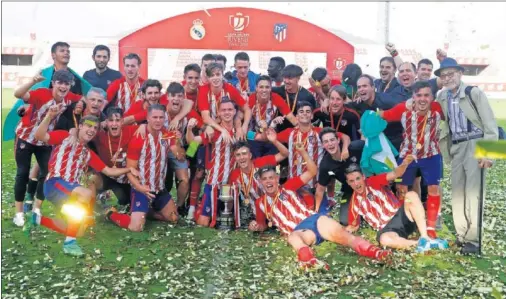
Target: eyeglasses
448	75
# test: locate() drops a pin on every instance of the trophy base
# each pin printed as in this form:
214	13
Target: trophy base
225	222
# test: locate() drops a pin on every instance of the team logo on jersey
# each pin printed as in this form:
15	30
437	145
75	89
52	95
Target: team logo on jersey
22	145
310	139
370	196
269	111
197	31
208	209
282	197
353	159
238	22
344	122
280	31
137	203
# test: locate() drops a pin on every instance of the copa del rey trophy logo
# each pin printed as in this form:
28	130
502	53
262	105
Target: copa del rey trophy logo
339	63
197	31
238	23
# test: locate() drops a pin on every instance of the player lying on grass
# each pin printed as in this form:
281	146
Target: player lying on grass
68	163
394	219
283	207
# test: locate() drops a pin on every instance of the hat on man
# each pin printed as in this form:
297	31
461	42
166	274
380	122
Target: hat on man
448	63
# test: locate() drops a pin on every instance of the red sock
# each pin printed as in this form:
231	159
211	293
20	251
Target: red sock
72	228
122	220
433	204
305	254
194	191
49	223
364	248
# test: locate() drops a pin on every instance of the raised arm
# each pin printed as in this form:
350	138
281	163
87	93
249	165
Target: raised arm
189	132
42	131
272	136
399	171
311	168
22	91
394	53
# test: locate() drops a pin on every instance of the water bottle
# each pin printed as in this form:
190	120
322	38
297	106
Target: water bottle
192	149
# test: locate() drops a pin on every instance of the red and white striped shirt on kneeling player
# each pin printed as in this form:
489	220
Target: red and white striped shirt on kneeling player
222	159
421	135
70	161
40	101
285	210
378	205
123	93
152	156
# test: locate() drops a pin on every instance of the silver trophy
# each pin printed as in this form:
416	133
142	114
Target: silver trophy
226	217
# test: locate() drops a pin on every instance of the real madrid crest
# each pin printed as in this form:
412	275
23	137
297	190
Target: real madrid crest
197	32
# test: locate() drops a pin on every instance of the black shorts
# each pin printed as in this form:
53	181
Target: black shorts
399	224
122	191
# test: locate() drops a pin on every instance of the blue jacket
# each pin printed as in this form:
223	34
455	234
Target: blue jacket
252	80
379	154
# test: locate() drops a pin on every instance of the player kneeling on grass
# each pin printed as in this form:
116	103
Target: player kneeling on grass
150	155
283	207
394	219
68	163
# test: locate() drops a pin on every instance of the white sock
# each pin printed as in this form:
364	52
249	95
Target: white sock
68	239
19	215
37	210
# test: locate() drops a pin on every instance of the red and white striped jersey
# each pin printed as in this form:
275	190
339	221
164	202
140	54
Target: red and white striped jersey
418	129
183	123
222	159
208	101
266	112
285	210
70	161
378	205
124	93
152	156
40	101
312	144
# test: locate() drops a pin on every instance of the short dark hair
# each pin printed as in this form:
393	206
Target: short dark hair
226	100
353	168
158	107
132	56
302	104
265	169
192	67
262	78
389	59
292	71
59	44
92	118
280	60
424	61
212	66
114	110
219	57
101	48
240	144
241	56
319	74
151	83
63	76
175	88
208	57
369	78
419	85
327	130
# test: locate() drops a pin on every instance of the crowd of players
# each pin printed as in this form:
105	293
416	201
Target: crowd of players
276	146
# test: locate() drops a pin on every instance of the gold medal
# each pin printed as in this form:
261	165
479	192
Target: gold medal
246	201
418	146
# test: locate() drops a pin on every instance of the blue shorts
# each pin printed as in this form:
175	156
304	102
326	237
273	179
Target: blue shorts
201	157
324	205
140	202
310	223
57	190
175	164
430	168
206	204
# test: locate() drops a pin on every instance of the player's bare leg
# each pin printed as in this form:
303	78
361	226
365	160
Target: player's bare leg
301	240
184	186
137	221
203	221
168	213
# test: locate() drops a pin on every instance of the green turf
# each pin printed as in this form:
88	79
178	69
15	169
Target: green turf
182	261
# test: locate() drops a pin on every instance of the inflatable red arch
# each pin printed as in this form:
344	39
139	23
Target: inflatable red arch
241	29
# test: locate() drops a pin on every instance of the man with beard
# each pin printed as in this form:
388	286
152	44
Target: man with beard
276	66
206	60
123	92
210	97
93	104
112	148
340	117
387	82
265	105
26	144
101	76
220	163
421	139
320	84
245	179
69	160
469	119
243	78
282	207
150	156
292	92
332	168
394	219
